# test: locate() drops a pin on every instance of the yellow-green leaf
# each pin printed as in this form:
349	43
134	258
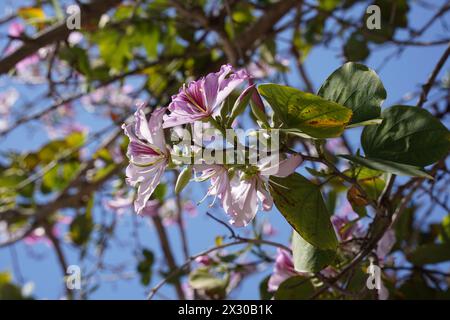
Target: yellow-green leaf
307	112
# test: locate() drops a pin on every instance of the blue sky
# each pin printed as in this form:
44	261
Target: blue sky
401	75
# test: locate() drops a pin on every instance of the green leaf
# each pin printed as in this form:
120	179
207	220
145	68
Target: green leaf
202	279
78	58
301	203
408	135
309	113
308	258
357	87
144	266
264	293
356	49
183	179
417	288
8	290
160	192
445	229
59	176
295	288
81	228
388	166
430	253
371	122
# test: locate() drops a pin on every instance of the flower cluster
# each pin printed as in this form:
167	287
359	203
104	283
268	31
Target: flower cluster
241	188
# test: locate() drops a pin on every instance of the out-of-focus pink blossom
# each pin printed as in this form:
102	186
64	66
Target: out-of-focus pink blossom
168	210
39	235
203	98
204	260
75	38
261	69
335	145
15	29
283	270
385	244
61	122
344	224
120	203
28	69
117	99
188	291
151	208
268	229
36	236
190	208
116	154
7	99
147	153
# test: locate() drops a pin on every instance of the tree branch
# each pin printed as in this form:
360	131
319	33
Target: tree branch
90	14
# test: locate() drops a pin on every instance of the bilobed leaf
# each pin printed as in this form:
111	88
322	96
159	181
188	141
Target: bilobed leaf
301	203
309	113
407	135
430	253
388	166
357	87
295	288
308	258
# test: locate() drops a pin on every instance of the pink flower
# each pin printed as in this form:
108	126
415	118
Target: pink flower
39	234
190	208
385	244
147	153
151	208
344	224
203	260
203	98
75	38
268	229
119	204
15	29
7	100
335	145
188	291
283	269
248	192
220	182
36	236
